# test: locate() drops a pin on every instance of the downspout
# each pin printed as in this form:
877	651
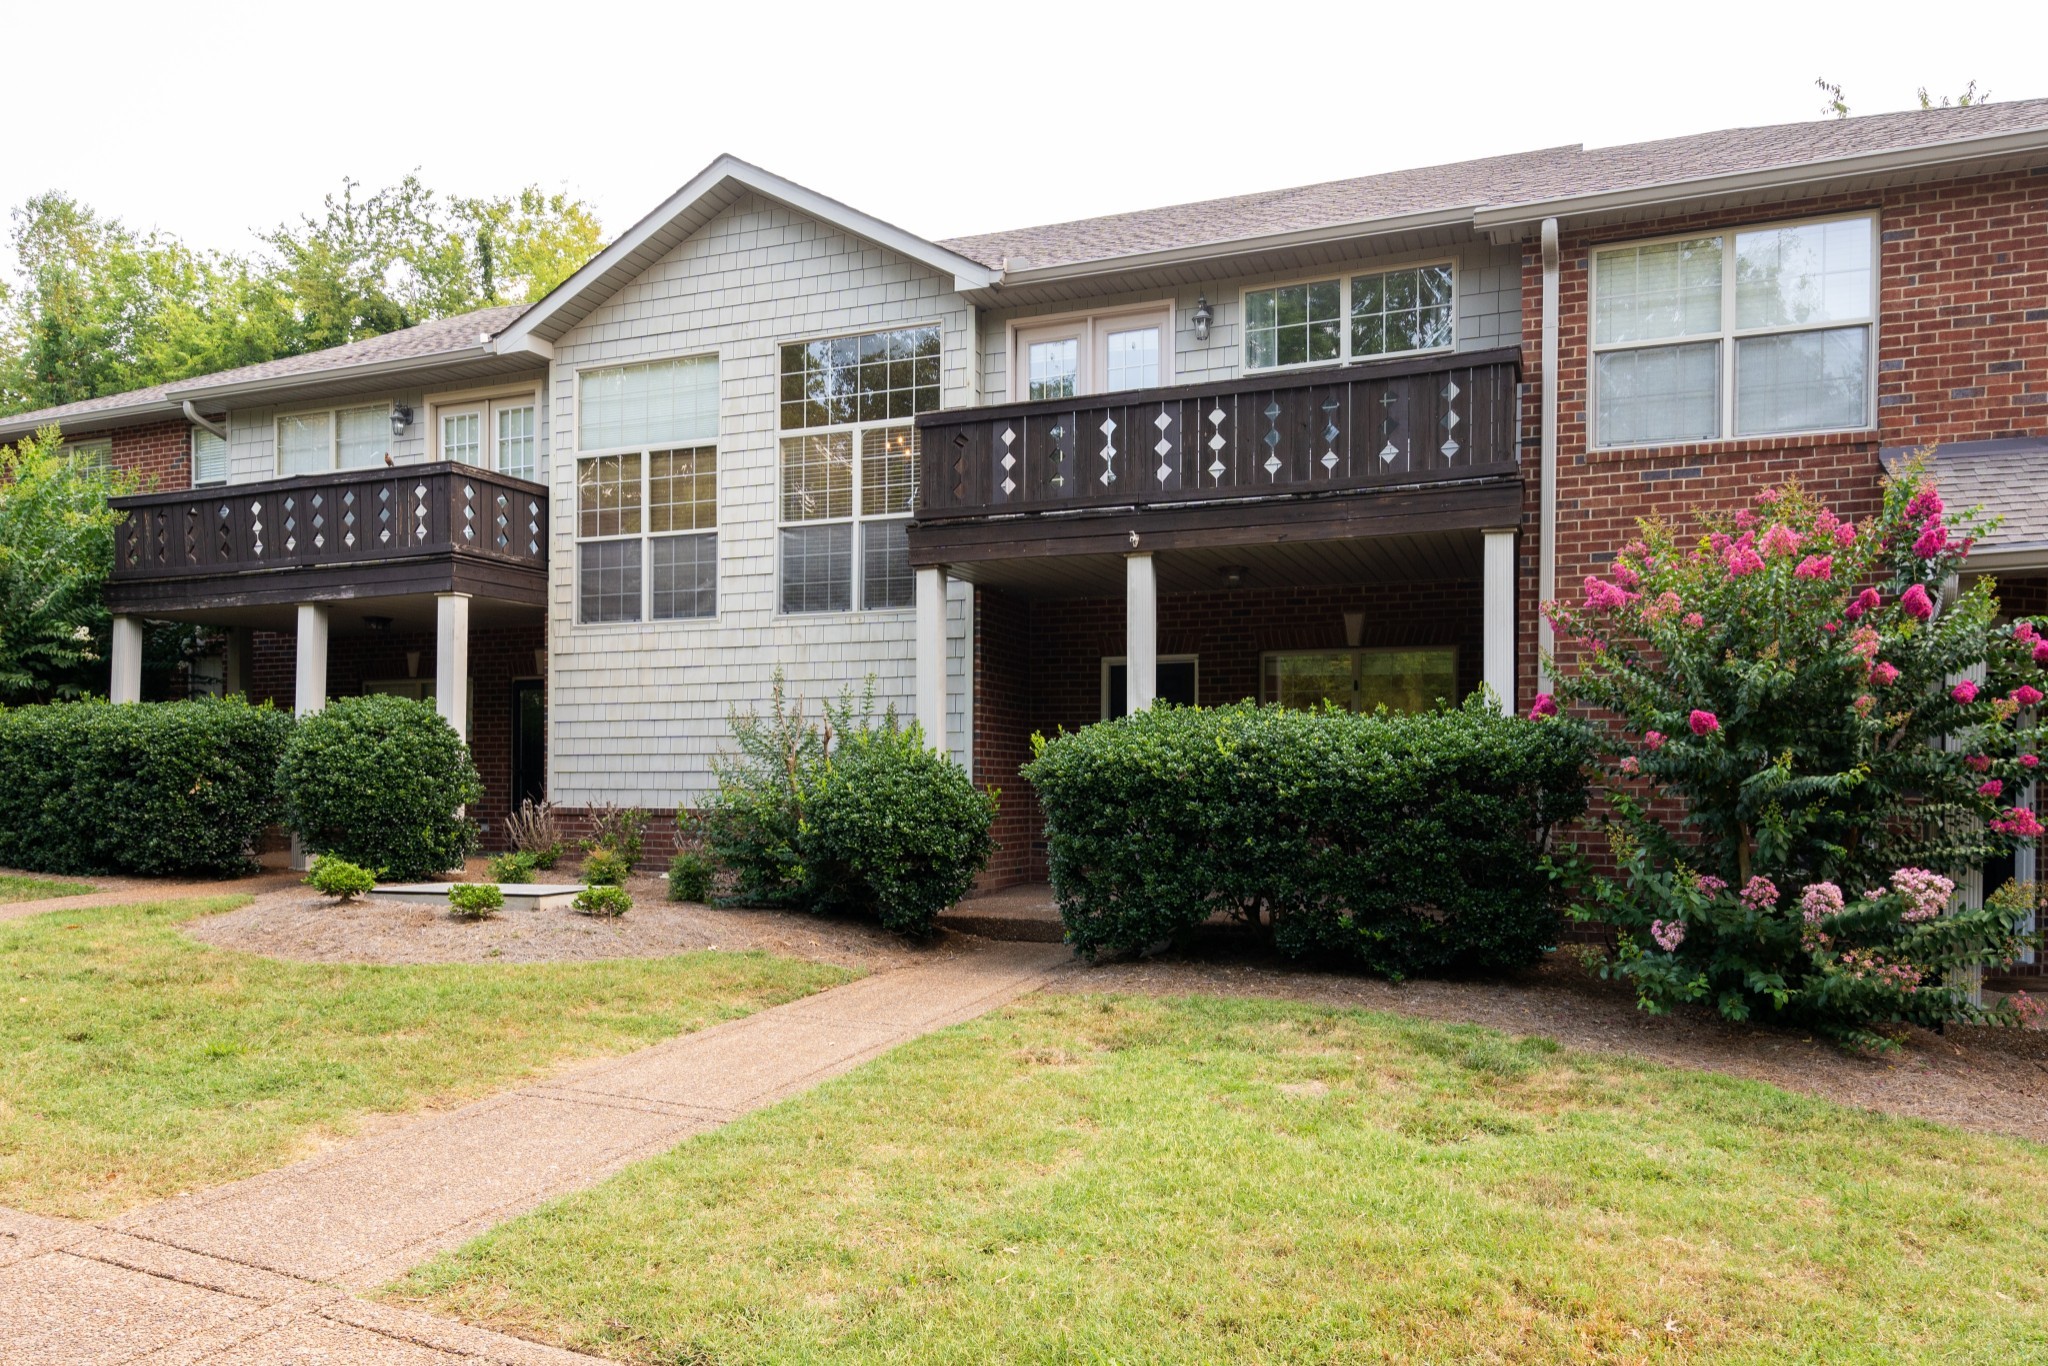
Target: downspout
1546	572
192	416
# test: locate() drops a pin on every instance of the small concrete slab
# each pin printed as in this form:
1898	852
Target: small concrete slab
519	896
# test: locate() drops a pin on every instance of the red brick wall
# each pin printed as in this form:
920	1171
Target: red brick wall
1002	732
158	454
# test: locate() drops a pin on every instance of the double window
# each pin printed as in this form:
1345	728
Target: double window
334	439
1093	353
1353	317
1751	333
501	434
1401	680
647	491
849	467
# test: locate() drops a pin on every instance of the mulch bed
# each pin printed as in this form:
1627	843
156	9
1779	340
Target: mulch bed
296	924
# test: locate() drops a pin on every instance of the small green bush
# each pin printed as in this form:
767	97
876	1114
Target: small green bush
381	781
1410	844
847	814
605	868
690	876
621	829
339	878
156	788
606	901
475	900
515	868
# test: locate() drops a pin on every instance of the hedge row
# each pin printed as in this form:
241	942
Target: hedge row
169	788
1410	844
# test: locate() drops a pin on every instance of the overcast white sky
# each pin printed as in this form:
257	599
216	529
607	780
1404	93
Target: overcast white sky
212	120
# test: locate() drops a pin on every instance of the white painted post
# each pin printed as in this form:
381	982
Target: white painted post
451	660
309	684
126	682
931	655
1141	632
1499	631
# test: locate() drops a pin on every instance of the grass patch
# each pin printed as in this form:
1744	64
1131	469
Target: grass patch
1131	1179
20	887
141	1063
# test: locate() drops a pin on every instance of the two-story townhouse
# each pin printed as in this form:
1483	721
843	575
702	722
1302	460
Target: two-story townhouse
1336	442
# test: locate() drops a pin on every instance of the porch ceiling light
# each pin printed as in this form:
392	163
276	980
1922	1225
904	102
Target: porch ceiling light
377	623
1204	315
1233	575
401	418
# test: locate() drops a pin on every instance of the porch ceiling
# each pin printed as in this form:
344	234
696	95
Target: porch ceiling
409	612
1430	557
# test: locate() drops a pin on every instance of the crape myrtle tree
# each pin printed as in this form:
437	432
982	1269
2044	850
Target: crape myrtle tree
1839	731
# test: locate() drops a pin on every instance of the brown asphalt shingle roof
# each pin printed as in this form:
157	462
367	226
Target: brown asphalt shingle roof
1551	173
2006	481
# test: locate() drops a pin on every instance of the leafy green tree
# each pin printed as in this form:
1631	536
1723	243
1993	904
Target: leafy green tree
1837	105
56	552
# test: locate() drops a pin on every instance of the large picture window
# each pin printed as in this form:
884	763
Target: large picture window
1352	317
1399	679
1758	332
849	467
336	439
647	516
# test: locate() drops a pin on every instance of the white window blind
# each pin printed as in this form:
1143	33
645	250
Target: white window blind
209	457
654	404
365	436
305	443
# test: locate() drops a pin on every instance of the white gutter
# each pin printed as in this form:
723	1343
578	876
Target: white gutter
1546	573
327	375
192	416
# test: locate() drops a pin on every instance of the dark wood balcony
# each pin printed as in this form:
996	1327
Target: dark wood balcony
355	533
1197	460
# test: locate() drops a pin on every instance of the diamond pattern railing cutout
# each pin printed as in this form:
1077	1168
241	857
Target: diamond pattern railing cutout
1108	430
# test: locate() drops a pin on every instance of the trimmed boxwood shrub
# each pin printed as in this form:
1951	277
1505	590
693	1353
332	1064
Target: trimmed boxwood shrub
340	879
381	781
1410	844
155	788
475	900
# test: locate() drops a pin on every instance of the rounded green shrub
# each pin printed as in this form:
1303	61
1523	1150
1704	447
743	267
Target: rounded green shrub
690	875
381	781
150	788
1409	844
475	900
606	901
339	878
605	868
516	867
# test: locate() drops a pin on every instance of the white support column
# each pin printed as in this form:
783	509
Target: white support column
451	660
126	683
931	655
309	684
1499	631
1141	632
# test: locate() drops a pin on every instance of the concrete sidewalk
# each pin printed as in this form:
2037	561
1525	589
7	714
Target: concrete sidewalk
259	1270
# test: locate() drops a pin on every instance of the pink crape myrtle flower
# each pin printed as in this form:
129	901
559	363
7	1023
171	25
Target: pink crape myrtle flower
2026	694
1653	739
1669	934
1864	704
1625	574
1741	558
2030	761
1602	596
2027	1008
1745	519
1916	604
1704	722
2020	823
2023	631
1884	673
1866	601
1821	900
1980	762
1630	765
1544	705
1933	539
1964	692
1768	497
1845	535
1926	894
1694	620
1710	885
1760	893
1825	522
1816	567
1780	539
1991	787
1926	503
2041	652
1865	644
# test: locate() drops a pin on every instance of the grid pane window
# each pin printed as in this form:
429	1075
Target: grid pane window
1354	318
518	441
1294	324
608	581
608	495
1133	358
817	476
888	471
462	437
683	576
682	490
362	437
877	377
886	579
1768	333
1055	368
1401	310
657	403
817	568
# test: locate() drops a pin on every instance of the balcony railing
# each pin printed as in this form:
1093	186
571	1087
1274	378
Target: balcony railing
353	517
1356	428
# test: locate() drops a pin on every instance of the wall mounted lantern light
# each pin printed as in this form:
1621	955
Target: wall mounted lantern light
401	418
1204	315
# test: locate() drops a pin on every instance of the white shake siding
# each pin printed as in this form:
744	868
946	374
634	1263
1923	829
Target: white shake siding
637	711
252	432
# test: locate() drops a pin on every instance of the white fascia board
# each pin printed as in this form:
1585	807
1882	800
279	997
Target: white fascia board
966	273
375	369
1509	217
2007	559
122	415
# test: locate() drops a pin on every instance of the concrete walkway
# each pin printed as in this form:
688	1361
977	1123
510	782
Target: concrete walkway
259	1270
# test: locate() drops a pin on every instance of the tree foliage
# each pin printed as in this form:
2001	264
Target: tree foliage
56	553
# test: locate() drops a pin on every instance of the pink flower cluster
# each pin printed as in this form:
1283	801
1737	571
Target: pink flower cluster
1653	739
2027	1008
1704	722
1872	966
1964	692
1630	765
1669	934
1544	705
1991	787
1759	893
1821	900
1884	673
1926	894
2020	823
1780	539
1816	567
1866	601
1710	885
1740	557
1602	596
2026	695
1915	603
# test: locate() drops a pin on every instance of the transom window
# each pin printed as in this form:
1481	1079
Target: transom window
335	439
849	467
646	516
1400	679
1354	317
1758	332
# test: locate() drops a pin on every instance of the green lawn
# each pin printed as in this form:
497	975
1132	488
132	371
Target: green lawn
1135	1180
18	887
140	1062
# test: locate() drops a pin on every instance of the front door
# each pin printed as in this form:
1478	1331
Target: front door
529	741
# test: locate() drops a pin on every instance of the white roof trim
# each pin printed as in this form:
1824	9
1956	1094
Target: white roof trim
113	415
330	374
728	169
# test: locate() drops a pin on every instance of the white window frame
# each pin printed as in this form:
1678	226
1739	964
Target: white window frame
1729	334
483	401
98	450
1109	661
333	414
1085	323
858	520
1343	279
645	535
192	459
